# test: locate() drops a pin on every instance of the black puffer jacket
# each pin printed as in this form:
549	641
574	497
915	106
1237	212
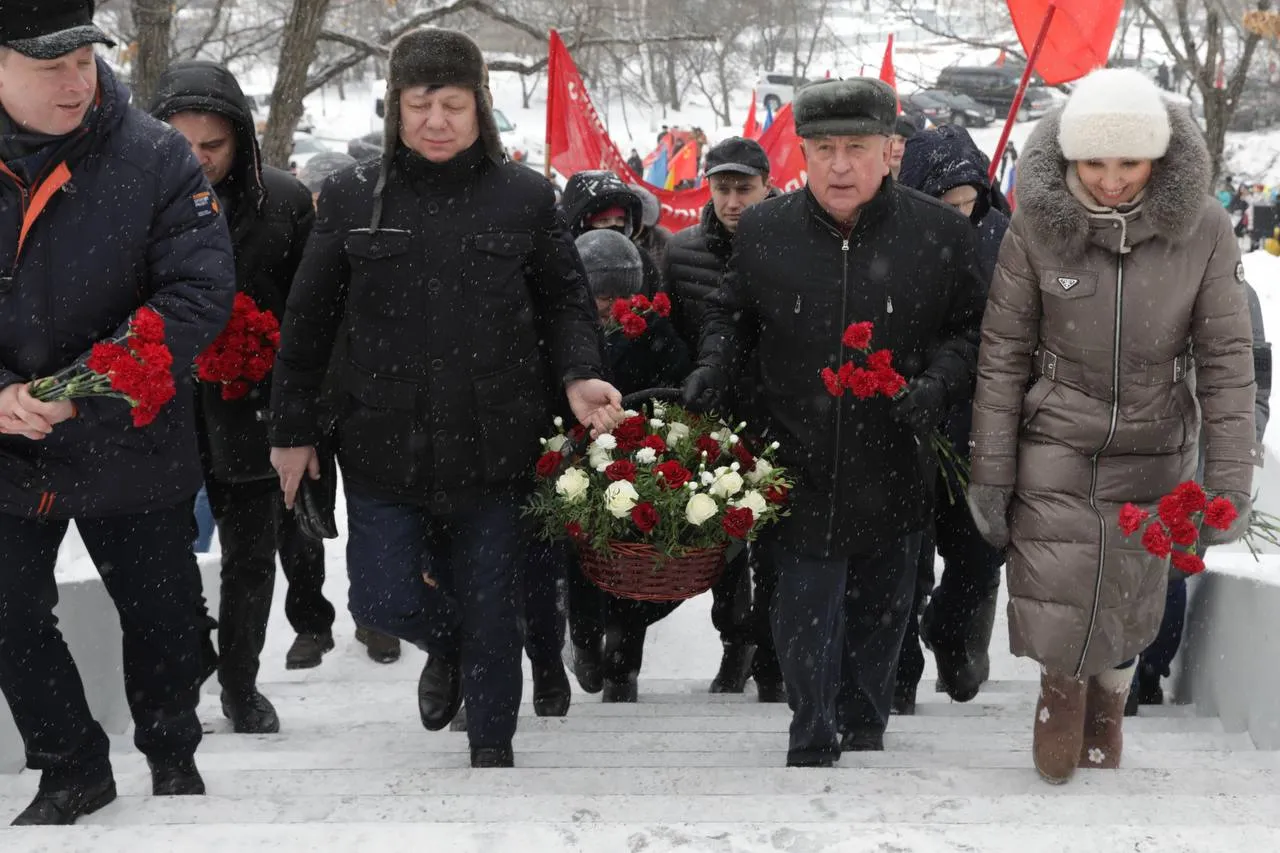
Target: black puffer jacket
270	214
794	284
129	222
466	310
588	193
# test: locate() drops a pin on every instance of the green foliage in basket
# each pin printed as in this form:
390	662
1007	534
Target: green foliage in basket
676	481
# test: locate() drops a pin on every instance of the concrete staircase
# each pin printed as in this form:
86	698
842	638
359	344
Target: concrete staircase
682	770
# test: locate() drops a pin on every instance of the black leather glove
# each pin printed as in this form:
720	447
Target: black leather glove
704	390
923	407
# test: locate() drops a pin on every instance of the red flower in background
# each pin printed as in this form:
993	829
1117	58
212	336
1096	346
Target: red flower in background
1156	540
574	529
1131	518
549	463
631	432
147	326
621	308
708	445
640	302
738	521
776	495
1183	533
1191	496
633	326
662	305
577	432
890	382
832	380
673	475
1171	509
863	383
245	351
858	335
623	469
881	359
1189	563
1220	513
655	443
746	461
645	517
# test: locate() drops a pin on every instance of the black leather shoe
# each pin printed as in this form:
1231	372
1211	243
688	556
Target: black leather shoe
439	692
382	648
735	668
862	742
620	691
176	778
62	806
588	667
490	756
250	713
308	650
811	762
551	691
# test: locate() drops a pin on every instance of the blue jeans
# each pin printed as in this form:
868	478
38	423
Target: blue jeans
471	613
204	522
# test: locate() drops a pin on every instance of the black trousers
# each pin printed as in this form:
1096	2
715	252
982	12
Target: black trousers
302	558
595	615
838	625
741	614
544	580
247	516
143	560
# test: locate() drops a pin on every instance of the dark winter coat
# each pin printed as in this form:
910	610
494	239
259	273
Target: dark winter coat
588	193
134	224
1098	307
656	242
466	312
271	214
910	268
657	359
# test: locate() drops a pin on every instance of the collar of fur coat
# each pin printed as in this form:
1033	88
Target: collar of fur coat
1171	203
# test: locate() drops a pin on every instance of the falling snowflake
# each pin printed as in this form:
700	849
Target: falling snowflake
1044	715
1097	756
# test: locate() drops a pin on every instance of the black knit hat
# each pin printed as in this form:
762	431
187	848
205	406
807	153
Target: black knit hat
48	29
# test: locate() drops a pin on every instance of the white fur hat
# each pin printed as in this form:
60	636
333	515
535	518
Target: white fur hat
1115	112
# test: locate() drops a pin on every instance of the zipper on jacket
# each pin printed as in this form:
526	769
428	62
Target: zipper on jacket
888	304
797	303
844	307
1093	462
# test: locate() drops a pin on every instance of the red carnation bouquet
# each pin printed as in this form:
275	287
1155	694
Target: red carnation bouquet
244	353
136	367
1176	528
629	314
879	378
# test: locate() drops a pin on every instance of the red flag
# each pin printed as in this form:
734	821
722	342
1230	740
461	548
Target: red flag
751	129
887	73
1079	39
787	170
1004	57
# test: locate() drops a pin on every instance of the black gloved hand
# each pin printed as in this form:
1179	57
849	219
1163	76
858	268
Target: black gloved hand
924	405
704	390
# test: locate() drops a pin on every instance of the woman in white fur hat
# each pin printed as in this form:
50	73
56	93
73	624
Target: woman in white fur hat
1116	267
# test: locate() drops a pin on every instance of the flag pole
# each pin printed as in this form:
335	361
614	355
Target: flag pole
551	69
1022	90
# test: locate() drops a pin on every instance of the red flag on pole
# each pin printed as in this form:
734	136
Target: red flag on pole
751	129
887	73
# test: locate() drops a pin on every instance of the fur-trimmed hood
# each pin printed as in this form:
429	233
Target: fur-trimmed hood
1174	196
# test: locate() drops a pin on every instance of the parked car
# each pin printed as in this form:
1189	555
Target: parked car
996	86
942	107
370	145
366	147
305	146
773	90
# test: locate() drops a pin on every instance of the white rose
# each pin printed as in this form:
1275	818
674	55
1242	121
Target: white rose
605	441
677	433
657	423
753	501
727	484
620	498
707	478
700	509
557	442
646	456
572	485
597	457
762	470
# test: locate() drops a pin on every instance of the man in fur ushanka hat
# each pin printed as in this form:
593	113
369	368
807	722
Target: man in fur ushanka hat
469	326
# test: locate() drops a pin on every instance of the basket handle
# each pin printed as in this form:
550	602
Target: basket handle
664	395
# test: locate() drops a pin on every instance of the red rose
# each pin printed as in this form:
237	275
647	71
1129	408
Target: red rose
147	326
1156	540
631	432
1221	514
662	305
1131	518
633	326
549	463
890	382
1171	510
776	495
708	445
577	432
640	302
738	521
832	380
1188	563
655	443
673	475
623	469
858	336
574	529
881	359
645	517
746	461
1192	497
864	384
1183	533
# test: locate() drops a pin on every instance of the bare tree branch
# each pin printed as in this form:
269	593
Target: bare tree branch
215	21
909	13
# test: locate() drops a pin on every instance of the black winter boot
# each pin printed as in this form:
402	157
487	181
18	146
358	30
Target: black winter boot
382	648
588	667
963	655
492	756
735	668
250	712
175	778
551	691
308	650
63	804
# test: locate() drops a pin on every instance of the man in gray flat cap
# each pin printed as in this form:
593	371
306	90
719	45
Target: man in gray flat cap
853	247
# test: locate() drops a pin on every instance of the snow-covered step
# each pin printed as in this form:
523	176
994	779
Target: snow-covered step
830	834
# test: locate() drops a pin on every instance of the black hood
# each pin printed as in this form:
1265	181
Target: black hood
588	193
202	86
944	158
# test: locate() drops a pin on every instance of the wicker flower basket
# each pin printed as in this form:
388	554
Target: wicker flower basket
640	572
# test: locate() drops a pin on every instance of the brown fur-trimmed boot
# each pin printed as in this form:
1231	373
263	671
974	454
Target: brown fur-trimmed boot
1104	719
1059	726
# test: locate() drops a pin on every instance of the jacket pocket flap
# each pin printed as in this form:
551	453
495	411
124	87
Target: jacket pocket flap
506	243
383	393
1069	284
383	244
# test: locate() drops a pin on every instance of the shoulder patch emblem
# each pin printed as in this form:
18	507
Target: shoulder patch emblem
1068	283
1240	271
205	204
